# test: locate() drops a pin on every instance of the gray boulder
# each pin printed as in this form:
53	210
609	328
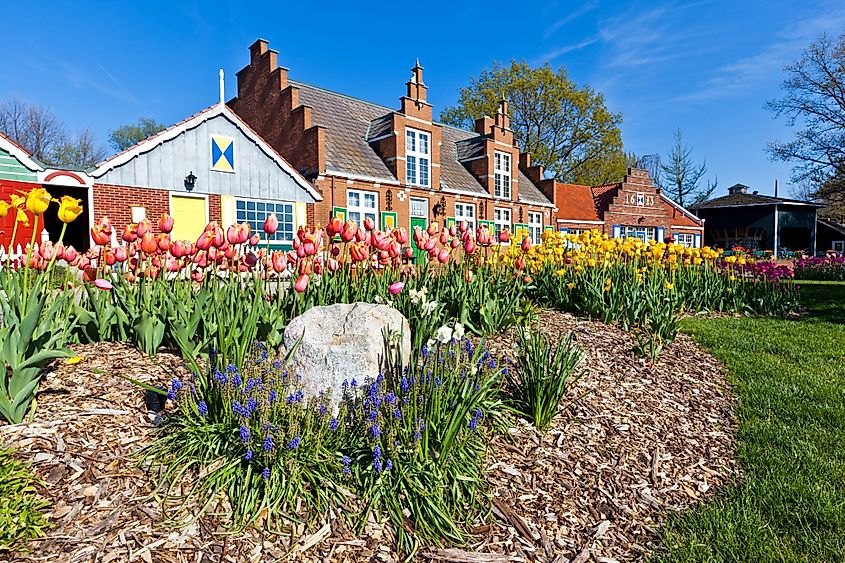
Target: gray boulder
343	342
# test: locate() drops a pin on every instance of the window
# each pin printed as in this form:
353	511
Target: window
502	175
465	212
138	213
501	219
360	205
643	233
417	157
419	207
685	239
535	227
255	212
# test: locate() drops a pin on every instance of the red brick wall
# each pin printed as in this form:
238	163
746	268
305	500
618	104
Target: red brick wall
115	202
215	212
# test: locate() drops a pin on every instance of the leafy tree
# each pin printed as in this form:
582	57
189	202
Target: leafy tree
81	151
681	177
814	103
133	133
566	128
33	127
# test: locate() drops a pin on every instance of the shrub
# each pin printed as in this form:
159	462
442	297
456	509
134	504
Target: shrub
544	375
409	443
21	517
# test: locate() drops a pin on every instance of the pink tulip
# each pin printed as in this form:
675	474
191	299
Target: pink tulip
455	243
111	259
165	224
469	245
279	262
70	254
46	251
464	226
453	230
105	285
348	231
143	227
271	224
333	265
120	254
369	224
526	244
218	236
505	236
409	252
401	235
254	240
130	233
164	242
205	240
396	288
432	229
443	256
334	227
197	276
301	283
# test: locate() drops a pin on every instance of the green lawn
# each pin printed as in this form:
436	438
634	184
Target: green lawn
789	376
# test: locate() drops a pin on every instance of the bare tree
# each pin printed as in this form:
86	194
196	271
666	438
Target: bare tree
13	114
33	127
682	177
814	103
81	151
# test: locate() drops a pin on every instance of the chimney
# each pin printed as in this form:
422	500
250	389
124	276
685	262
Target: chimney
502	118
483	125
416	87
737	189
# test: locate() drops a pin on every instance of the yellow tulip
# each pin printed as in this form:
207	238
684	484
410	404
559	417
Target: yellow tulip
38	200
69	209
16	200
22	217
4	208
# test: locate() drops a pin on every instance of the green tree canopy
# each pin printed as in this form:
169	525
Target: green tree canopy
133	133
566	128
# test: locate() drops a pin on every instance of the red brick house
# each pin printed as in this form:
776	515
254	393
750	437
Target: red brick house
633	207
396	166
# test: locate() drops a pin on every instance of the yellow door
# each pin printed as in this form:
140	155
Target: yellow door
189	217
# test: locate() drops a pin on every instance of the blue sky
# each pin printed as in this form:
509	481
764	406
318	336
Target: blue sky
707	67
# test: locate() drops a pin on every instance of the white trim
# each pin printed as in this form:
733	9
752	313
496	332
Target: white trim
449	190
417	119
686	227
193	122
20	154
683	210
266	201
349	176
576	221
520	200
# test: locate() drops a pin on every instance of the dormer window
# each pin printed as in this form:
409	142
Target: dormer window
502	175
417	157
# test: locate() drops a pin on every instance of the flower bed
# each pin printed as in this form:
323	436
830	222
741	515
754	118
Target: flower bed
828	268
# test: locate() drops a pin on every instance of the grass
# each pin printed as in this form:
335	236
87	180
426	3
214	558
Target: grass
21	517
789	375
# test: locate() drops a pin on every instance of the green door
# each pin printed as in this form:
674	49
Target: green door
422	223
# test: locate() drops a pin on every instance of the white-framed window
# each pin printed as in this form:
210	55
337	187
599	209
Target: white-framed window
465	212
417	157
645	234
535	227
838	246
419	207
360	205
501	219
138	213
685	239
502	175
255	212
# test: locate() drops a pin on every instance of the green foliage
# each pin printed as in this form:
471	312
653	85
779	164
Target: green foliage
409	444
32	334
566	128
131	134
789	375
543	377
21	516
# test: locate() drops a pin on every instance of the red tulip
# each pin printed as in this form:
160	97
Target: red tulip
505	236
100	236
301	283
400	235
130	233
271	224
163	242
469	245
318	268
519	264
111	259
148	243
453	230
250	259
464	226
165	224
143	227
396	288
526	244
369	224
334	227
455	243
409	252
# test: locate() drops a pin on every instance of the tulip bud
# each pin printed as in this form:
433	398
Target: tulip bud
148	243
469	276
301	283
143	227
464	226
519	264
70	254
396	288
526	244
271	224
455	243
505	236
453	230
409	252
369	224
469	245
254	240
443	256
165	224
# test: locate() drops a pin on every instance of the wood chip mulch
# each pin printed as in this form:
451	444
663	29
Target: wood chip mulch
640	442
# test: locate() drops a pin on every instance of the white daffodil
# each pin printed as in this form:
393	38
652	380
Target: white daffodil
459	331
444	334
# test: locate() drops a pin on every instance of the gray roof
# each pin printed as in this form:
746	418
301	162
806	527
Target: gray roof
350	123
745	199
470	148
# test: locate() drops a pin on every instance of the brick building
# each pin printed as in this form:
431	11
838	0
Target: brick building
396	166
633	207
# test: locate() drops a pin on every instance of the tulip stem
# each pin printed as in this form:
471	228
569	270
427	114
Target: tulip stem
28	257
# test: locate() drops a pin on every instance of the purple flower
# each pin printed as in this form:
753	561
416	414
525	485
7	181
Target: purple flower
248	455
265	473
202	408
397	414
268	444
388	465
346	462
245	435
375	431
333	425
376	452
377	464
293	443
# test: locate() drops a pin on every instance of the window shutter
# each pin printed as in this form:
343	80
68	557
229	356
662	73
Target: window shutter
698	241
617	231
661	234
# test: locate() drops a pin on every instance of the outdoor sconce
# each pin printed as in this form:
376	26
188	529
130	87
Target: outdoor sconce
190	181
437	210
